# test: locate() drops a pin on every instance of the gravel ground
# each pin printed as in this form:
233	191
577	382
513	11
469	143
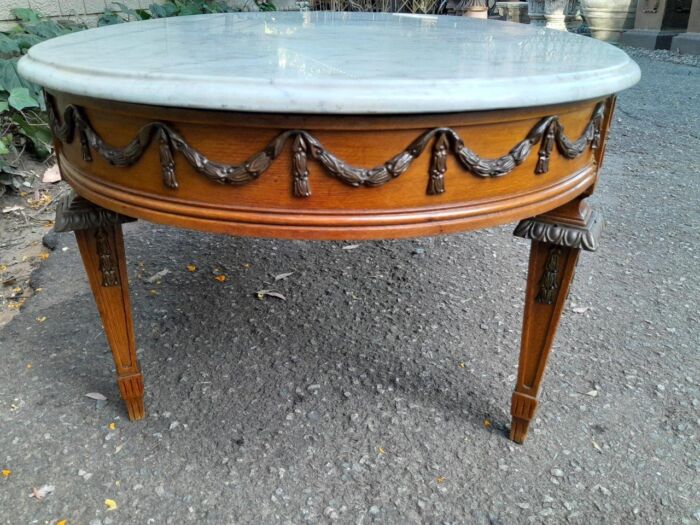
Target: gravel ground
364	396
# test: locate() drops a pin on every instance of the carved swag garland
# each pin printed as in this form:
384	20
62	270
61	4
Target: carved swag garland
548	132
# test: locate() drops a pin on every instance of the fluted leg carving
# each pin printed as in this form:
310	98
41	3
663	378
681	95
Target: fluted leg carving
557	239
99	235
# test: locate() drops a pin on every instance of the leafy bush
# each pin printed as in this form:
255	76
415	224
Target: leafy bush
23	121
122	13
22	111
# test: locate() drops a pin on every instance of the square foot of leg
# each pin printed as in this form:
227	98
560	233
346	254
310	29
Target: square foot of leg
135	408
518	430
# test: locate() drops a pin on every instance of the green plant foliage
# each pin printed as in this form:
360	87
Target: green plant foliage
20	99
23	124
118	12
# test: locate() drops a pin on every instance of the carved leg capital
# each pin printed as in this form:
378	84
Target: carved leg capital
74	213
574	225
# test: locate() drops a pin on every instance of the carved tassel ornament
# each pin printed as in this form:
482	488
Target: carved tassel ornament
301	174
546	149
438	167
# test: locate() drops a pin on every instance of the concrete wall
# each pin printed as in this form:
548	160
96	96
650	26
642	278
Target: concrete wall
86	10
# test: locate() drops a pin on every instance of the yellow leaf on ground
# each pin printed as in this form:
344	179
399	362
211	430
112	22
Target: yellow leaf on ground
41	319
111	504
440	479
112	426
43	256
246	265
29	365
62	522
221	278
487	423
381	450
191	268
6	472
3	268
462	365
42	200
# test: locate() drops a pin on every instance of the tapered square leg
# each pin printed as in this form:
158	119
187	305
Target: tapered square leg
557	240
99	235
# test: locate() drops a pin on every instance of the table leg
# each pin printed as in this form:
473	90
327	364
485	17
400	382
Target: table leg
557	239
99	235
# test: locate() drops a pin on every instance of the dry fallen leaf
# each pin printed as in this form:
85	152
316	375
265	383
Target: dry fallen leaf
41	492
592	393
39	200
157	276
51	175
381	450
191	268
440	480
3	268
43	256
580	309
6	472
111	504
17	305
246	265
96	396
283	276
270	293
462	365
487	423
221	278
61	522
41	319
597	447
351	246
112	426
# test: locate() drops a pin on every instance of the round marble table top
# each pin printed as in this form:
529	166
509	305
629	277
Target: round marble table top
323	62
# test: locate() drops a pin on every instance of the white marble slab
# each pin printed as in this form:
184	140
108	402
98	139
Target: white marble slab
321	62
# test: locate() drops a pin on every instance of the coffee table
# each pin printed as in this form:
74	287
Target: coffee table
331	126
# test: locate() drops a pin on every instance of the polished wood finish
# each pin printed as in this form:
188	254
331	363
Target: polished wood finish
110	287
276	205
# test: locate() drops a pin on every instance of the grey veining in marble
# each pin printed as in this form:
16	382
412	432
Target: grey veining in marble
322	62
